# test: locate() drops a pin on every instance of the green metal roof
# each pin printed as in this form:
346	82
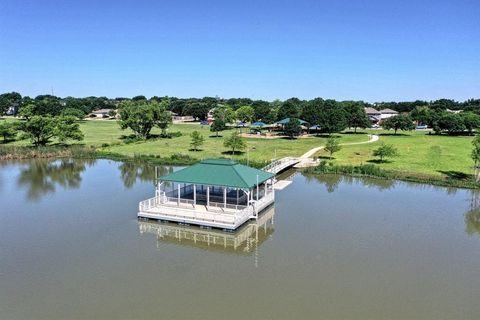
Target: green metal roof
219	172
287	120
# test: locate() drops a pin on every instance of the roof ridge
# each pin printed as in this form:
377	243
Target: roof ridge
238	174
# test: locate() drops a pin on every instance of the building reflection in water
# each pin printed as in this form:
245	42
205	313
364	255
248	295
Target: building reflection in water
244	241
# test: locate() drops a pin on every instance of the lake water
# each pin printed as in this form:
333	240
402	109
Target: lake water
71	247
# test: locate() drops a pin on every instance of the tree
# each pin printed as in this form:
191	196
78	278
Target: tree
476	151
332	117
245	113
332	146
356	115
39	129
234	142
451	122
27	111
471	121
292	128
311	111
197	140
67	128
197	109
224	113
217	125
47	105
291	108
7	131
142	116
385	151
7	100
164	117
399	122
73	112
263	111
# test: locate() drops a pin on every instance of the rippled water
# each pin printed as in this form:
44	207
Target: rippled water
71	247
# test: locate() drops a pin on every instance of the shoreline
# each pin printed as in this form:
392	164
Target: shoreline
365	170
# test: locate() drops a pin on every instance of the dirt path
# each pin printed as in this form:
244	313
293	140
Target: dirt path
308	161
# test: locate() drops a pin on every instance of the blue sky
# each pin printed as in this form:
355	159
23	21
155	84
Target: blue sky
362	50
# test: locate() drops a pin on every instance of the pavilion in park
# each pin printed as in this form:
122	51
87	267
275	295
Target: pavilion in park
217	193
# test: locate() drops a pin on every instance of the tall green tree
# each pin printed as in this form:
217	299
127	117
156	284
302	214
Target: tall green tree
264	111
8	100
224	113
332	146
196	109
197	140
66	128
452	123
245	113
141	116
7	131
291	108
471	121
476	151
39	129
332	117
312	110
356	115
399	122
217	126
293	128
234	142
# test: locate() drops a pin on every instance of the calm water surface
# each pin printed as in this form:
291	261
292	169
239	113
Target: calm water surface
71	247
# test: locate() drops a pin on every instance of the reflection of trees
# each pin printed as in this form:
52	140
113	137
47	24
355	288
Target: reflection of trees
332	181
41	176
472	217
130	171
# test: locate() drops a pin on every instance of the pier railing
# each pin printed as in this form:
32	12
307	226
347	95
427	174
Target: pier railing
281	164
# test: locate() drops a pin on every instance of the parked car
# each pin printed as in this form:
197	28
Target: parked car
375	126
421	127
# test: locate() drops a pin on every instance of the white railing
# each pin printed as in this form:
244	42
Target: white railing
148	204
236	207
280	164
177	200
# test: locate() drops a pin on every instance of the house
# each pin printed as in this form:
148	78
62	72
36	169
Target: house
387	113
373	114
101	113
218	193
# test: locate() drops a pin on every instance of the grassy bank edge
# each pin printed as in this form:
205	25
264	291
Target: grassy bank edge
90	152
364	170
372	171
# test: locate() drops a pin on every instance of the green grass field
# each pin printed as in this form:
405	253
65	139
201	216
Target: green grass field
419	152
100	132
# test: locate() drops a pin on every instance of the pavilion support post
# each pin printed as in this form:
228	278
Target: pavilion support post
225	197
266	187
178	193
257	187
194	194
237	196
208	196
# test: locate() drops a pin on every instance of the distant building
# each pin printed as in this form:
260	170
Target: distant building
373	114
454	111
101	113
388	113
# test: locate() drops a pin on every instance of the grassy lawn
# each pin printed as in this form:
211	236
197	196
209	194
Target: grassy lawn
418	152
258	149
